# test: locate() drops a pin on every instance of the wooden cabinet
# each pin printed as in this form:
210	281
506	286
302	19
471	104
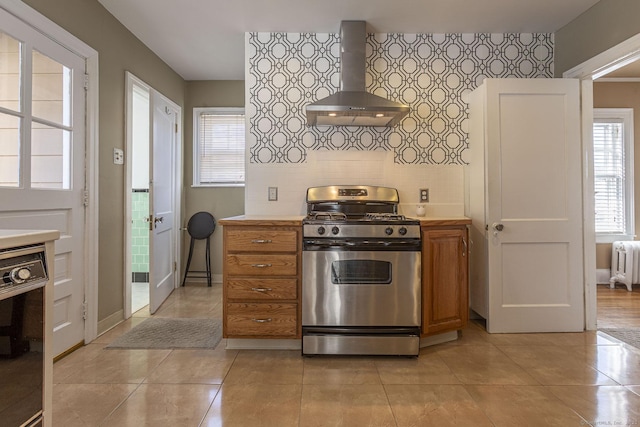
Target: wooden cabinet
445	284
261	276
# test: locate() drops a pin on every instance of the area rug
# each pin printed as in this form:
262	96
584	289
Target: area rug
165	333
629	336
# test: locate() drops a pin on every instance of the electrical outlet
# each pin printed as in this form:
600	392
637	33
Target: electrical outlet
273	194
118	156
424	195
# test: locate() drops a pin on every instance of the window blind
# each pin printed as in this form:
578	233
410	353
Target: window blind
221	144
609	176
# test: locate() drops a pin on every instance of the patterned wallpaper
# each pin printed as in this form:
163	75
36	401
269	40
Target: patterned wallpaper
432	73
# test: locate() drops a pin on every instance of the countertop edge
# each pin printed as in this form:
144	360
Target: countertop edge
435	221
296	220
292	220
15	238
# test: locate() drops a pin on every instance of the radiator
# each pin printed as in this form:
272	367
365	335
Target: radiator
625	263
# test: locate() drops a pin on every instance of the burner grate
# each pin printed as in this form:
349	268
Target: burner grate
385	216
328	216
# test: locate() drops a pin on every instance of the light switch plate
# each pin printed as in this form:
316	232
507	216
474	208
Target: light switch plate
118	156
273	194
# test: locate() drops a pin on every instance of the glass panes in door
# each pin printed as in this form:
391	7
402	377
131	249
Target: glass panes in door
50	157
35	132
9	72
50	127
51	90
9	150
10	108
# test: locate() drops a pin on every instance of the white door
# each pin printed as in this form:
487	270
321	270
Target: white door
534	206
42	154
162	200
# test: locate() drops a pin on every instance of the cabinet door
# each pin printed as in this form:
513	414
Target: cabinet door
444	280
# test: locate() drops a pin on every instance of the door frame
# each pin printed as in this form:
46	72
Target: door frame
611	59
61	36
130	80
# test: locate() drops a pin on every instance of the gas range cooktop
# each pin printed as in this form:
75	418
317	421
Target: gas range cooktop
356	212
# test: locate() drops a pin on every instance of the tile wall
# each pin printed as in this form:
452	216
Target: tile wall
140	235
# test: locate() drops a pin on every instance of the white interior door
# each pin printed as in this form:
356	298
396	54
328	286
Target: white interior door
534	206
42	155
162	200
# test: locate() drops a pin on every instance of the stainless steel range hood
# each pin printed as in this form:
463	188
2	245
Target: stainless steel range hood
353	105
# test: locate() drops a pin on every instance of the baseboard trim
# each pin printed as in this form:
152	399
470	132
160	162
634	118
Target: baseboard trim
438	339
262	344
602	276
110	321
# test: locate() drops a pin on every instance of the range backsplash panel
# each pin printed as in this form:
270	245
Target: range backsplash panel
432	73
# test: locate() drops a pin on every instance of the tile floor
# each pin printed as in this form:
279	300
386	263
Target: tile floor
139	296
574	379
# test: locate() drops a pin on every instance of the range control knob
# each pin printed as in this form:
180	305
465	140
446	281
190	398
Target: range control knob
321	230
402	231
20	274
335	230
388	231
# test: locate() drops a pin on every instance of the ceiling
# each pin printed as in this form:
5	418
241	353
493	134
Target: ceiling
204	39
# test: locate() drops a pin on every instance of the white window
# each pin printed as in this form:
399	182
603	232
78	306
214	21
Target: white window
613	173
218	147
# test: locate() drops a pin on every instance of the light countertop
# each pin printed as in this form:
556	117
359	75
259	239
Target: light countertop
293	220
15	238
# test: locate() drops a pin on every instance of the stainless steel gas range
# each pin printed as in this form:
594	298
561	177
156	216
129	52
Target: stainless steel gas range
360	273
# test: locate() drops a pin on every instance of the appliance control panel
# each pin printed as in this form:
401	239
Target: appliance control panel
22	266
389	231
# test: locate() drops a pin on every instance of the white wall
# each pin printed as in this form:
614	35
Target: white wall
140	149
445	182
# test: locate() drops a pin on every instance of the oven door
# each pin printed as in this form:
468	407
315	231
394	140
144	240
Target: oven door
22	356
361	288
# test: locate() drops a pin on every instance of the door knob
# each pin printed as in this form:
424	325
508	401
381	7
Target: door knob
497	226
158	219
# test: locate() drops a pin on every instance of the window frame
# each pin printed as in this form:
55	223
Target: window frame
625	115
197	112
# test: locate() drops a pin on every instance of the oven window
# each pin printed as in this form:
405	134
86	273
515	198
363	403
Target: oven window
360	272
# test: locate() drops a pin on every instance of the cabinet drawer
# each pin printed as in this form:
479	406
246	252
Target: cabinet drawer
262	240
262	289
261	319
261	265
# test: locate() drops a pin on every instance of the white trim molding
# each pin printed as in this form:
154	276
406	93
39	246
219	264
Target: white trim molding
610	60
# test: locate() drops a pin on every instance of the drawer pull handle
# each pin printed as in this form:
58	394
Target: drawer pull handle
260	265
261	289
262	320
261	241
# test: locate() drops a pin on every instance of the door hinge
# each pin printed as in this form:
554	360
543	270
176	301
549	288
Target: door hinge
86	82
176	127
84	310
85	198
175	266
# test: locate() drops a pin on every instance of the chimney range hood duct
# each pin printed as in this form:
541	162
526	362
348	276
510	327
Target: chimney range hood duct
352	105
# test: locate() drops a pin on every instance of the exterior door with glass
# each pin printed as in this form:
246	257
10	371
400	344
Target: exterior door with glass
42	157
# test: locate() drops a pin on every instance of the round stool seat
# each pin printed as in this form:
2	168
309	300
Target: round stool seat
201	225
